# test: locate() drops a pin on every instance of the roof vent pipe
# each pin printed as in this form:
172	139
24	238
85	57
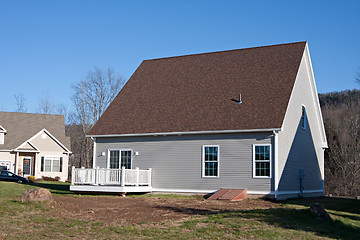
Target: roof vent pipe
239	102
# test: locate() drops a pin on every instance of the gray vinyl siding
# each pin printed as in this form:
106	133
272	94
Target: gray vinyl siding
299	148
176	161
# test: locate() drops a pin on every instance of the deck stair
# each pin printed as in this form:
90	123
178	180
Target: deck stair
229	194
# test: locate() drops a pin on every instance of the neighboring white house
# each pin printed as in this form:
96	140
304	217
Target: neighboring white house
245	119
34	144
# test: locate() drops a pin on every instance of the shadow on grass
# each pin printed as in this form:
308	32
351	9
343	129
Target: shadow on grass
286	218
54	187
302	220
352	217
330	203
189	211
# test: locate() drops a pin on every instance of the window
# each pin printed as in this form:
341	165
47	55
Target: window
262	161
2	136
303	117
210	166
51	164
120	158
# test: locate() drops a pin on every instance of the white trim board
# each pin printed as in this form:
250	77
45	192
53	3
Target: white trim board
249	192
113	189
314	92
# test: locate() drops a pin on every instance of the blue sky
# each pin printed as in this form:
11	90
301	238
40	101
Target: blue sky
47	46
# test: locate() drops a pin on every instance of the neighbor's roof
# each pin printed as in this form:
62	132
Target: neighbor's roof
194	92
22	126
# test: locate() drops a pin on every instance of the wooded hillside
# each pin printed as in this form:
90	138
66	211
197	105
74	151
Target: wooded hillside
341	114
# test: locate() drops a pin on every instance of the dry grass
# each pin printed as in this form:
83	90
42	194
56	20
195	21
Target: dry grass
168	217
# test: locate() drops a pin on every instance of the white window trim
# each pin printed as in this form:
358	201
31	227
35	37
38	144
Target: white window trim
124	149
303	121
51	165
2	138
254	165
203	162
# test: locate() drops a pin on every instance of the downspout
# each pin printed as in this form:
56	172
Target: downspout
276	162
94	151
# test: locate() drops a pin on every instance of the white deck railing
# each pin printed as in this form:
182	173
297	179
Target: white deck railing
105	176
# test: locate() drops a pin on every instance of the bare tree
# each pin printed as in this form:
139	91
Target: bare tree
341	113
20	102
46	106
91	97
62	109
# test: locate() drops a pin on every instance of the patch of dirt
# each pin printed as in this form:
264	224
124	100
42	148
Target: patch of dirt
139	210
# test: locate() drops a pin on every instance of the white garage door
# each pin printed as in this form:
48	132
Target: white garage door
7	164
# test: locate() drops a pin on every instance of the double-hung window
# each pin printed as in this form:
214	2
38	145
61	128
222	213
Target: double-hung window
119	159
262	161
51	164
210	163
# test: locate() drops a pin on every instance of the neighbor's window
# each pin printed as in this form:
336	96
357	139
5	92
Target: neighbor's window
210	161
2	138
262	161
51	164
120	158
303	117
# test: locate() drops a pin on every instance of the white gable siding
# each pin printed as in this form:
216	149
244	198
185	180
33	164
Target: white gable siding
302	148
45	143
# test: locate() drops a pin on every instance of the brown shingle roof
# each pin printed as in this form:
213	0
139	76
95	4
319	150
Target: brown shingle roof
194	92
22	126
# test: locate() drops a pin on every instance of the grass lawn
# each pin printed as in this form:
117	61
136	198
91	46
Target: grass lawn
287	220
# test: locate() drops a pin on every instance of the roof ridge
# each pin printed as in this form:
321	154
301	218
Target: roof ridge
224	51
47	114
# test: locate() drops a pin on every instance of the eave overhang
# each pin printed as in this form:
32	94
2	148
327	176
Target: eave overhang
186	133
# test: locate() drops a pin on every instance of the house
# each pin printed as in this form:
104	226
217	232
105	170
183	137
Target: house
242	119
34	144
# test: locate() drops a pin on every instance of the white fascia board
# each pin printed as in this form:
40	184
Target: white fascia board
22	145
306	57
2	129
187	133
32	145
316	97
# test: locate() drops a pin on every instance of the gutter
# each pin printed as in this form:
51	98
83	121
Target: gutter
186	133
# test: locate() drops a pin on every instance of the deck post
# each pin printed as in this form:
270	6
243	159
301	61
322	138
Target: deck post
72	175
97	175
149	180
137	177
123	176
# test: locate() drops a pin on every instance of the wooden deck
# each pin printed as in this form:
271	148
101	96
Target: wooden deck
110	180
